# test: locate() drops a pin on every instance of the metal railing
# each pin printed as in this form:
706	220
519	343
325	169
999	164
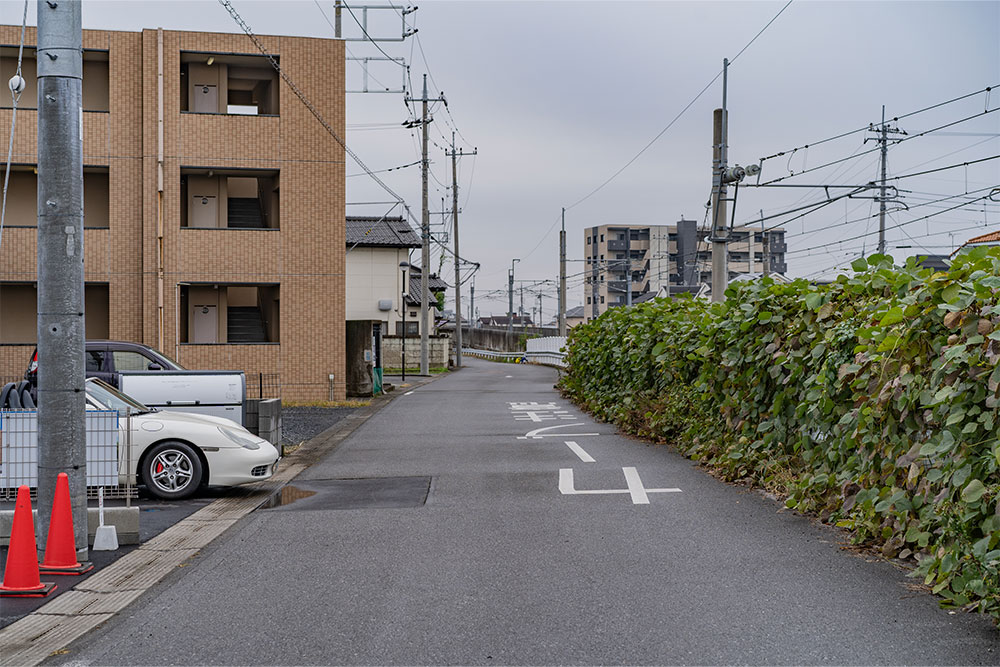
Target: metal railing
547	351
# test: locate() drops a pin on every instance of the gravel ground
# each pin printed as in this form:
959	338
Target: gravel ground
303	423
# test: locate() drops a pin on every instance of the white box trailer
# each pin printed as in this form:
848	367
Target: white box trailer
215	393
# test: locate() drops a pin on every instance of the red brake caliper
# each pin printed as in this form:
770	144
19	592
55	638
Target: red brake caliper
159	467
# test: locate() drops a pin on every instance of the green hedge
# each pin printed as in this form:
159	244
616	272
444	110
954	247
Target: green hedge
871	402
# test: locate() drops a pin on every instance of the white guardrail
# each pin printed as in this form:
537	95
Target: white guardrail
547	351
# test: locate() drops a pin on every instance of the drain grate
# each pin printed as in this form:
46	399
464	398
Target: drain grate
351	494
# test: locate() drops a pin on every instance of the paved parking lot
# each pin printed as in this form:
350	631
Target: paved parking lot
299	424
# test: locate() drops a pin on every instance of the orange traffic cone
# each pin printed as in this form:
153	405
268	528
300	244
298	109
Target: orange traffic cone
20	576
60	546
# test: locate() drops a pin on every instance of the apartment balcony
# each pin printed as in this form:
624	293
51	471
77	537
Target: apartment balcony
617	245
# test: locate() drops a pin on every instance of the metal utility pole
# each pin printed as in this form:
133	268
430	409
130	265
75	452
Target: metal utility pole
720	261
562	276
425	233
454	214
61	397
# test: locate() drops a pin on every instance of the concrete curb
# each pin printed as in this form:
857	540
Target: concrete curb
54	626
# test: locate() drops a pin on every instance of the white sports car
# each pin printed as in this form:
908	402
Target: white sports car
176	453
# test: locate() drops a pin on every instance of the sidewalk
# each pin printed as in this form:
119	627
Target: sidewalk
36	627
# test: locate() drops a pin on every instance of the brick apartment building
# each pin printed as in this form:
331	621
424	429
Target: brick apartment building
672	256
237	261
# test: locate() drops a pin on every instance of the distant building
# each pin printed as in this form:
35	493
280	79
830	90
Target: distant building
646	258
991	239
935	262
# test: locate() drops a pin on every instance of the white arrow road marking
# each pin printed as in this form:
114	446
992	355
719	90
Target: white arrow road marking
538	432
635	488
578	450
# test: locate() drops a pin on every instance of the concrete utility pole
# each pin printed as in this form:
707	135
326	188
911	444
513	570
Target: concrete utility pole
425	234
764	243
562	276
61	399
510	297
454	213
884	131
523	324
720	261
628	266
472	301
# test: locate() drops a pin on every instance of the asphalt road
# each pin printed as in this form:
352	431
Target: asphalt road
456	539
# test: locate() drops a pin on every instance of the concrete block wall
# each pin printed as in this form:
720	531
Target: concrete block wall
438	352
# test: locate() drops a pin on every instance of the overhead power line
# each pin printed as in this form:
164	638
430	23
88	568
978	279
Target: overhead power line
677	117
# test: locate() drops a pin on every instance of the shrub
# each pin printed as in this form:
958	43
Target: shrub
871	401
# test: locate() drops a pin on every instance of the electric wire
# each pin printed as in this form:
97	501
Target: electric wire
677	117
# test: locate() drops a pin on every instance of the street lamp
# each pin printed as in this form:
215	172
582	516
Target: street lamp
403	266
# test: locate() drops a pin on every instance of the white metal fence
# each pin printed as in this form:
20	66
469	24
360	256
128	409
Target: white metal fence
547	350
108	457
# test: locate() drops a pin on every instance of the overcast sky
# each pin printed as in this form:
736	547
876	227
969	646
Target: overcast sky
558	96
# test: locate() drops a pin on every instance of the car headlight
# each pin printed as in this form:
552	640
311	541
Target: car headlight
244	440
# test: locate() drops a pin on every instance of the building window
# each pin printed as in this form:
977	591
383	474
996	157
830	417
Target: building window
244	85
412	328
588	240
602	299
231	314
230	199
602	238
588	300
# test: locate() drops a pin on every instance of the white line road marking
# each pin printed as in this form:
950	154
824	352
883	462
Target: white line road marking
636	490
578	450
408	393
508	376
538	433
639	496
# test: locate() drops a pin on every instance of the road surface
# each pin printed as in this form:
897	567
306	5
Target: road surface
481	519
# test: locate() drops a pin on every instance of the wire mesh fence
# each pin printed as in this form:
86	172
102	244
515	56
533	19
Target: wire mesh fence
108	453
263	385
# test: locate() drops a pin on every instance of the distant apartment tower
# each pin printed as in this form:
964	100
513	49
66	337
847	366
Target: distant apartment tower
235	260
646	258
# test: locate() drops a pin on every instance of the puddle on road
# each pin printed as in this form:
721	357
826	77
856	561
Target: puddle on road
287	496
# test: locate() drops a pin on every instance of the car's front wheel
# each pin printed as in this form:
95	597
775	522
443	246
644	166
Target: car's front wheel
172	470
